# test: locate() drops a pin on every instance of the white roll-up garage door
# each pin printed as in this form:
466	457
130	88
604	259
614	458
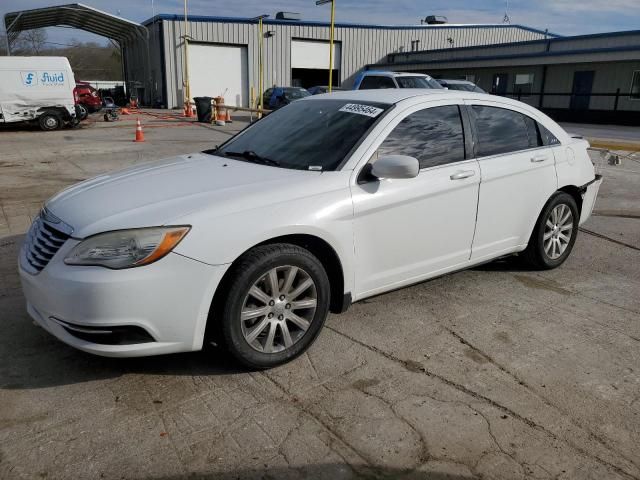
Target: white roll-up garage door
219	70
312	54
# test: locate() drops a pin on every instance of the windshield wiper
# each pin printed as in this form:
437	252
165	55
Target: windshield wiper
251	156
211	151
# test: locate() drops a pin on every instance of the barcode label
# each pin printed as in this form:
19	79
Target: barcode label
360	109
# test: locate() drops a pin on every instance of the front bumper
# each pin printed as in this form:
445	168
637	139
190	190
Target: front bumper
169	300
589	195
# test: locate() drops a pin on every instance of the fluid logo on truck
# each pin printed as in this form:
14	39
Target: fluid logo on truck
47	79
51	78
29	79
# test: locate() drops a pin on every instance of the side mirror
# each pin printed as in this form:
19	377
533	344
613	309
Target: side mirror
395	166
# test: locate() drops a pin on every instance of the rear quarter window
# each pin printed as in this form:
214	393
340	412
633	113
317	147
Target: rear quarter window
547	137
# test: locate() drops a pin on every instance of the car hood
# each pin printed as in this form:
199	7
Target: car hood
161	192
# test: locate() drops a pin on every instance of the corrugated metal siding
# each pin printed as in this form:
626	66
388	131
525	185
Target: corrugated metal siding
360	46
609	77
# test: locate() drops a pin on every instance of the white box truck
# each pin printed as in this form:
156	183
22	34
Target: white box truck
37	89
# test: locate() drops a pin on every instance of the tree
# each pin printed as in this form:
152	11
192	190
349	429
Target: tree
30	42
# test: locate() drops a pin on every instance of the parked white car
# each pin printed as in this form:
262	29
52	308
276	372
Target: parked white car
325	202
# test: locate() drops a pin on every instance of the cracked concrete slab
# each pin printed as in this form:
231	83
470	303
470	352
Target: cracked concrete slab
492	373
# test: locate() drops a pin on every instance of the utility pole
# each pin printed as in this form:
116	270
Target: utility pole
261	62
187	87
331	37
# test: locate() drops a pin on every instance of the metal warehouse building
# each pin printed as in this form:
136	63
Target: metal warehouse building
223	53
593	78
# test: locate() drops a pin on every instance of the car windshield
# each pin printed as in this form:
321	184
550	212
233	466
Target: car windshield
417	82
294	93
305	135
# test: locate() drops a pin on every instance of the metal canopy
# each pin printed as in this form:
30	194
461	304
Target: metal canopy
75	15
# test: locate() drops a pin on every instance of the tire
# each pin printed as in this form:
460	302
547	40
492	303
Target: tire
50	121
267	336
548	246
84	111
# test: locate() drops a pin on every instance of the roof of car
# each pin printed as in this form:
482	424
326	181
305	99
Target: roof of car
390	95
388	73
456	82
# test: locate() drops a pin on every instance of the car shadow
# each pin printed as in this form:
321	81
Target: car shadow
46	362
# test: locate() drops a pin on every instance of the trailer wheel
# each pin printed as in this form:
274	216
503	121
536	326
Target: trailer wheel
50	121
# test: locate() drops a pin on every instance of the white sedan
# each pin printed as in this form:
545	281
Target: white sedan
328	201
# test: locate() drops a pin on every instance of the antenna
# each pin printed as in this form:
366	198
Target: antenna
506	18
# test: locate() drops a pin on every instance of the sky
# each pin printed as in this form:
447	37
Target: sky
565	17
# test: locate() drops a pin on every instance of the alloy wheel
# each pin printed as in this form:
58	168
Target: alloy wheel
278	309
557	231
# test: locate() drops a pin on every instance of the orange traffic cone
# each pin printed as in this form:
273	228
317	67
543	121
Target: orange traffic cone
124	111
227	118
139	132
188	110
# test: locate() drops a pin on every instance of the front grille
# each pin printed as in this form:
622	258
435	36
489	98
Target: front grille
42	243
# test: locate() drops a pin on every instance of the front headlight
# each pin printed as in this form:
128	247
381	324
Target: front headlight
126	248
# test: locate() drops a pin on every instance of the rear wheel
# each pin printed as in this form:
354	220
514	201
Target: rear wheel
277	302
50	121
554	234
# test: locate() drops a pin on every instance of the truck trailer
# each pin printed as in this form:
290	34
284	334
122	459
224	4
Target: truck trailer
37	90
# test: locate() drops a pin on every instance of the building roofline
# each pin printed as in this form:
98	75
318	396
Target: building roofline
270	21
623	33
481	58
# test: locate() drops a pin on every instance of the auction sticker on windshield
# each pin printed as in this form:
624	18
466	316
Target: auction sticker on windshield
360	109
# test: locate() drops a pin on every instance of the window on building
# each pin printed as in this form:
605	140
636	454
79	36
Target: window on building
523	85
415	45
434	136
500	130
373	82
635	86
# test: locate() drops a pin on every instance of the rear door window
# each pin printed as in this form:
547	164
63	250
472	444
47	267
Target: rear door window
500	130
434	136
373	82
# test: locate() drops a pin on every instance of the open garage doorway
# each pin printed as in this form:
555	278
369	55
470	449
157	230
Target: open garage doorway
310	62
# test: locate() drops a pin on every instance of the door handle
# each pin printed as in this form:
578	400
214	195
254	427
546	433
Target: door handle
541	157
462	174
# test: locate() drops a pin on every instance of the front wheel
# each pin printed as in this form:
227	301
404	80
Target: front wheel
277	302
555	233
